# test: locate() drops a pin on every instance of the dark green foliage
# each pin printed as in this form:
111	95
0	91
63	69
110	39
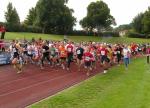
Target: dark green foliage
12	18
141	23
53	16
123	27
137	23
146	22
30	20
31	29
98	17
136	35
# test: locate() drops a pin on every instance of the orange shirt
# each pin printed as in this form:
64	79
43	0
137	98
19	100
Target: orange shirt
62	51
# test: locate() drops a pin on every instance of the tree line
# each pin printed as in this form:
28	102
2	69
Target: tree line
139	27
55	17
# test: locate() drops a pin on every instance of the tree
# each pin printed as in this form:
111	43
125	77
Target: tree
54	16
98	17
31	17
12	18
146	22
137	23
124	27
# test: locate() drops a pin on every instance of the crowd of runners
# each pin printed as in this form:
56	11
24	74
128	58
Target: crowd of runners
62	54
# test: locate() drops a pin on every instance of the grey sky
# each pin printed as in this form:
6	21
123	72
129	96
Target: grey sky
123	10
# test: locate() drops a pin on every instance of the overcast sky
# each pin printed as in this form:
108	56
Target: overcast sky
122	10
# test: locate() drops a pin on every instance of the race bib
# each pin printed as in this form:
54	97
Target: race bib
102	52
52	52
62	52
78	52
69	49
29	52
87	58
44	50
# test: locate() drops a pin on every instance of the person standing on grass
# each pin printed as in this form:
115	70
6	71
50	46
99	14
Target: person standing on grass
148	53
126	55
2	30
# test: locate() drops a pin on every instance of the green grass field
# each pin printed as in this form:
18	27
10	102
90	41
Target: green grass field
12	35
119	88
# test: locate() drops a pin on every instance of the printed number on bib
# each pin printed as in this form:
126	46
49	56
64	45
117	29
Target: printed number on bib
29	52
78	52
69	49
52	52
87	58
103	52
62	52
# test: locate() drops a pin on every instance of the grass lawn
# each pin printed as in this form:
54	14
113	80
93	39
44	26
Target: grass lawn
12	35
117	89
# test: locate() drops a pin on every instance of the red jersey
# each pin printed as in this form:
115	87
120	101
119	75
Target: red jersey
103	52
2	29
88	57
69	48
1	44
148	51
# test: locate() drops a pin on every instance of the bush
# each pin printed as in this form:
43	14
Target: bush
137	35
31	29
110	34
81	33
84	33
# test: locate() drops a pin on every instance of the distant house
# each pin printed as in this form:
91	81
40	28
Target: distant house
123	33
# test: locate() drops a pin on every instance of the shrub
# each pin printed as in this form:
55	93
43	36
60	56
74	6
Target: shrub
136	35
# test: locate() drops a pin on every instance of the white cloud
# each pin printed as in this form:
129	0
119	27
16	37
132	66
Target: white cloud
123	10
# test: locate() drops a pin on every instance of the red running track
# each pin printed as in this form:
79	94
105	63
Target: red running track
21	90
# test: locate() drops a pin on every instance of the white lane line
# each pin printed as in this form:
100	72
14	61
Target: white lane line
26	78
36	84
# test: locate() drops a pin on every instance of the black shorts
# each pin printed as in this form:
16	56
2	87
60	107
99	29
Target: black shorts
16	55
25	52
63	58
119	57
79	57
104	59
30	55
88	64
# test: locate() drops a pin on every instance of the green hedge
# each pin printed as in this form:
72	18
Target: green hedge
137	35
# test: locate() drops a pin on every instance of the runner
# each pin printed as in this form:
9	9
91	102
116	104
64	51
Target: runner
36	54
25	52
70	49
88	58
79	54
45	54
62	55
148	53
53	55
104	58
126	55
94	53
17	60
119	54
